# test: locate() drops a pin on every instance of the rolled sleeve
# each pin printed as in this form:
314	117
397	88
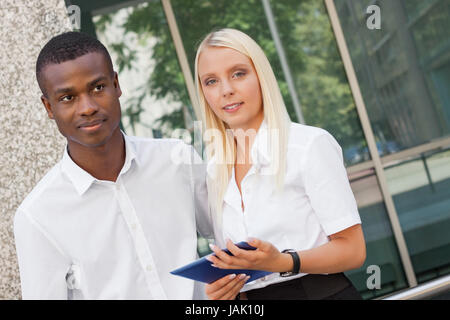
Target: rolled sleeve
42	267
327	185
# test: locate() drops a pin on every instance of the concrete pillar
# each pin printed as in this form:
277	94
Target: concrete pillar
30	143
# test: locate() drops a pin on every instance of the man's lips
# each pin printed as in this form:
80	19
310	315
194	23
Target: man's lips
91	125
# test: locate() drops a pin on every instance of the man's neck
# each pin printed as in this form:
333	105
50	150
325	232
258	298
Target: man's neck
104	162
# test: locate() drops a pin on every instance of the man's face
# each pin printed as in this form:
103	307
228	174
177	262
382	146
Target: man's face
83	99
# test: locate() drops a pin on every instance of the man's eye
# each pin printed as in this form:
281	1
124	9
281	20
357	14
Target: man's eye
99	87
66	98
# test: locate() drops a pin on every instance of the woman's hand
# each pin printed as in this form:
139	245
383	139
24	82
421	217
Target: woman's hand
266	257
226	288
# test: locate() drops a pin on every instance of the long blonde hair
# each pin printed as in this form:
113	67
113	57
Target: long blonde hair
275	114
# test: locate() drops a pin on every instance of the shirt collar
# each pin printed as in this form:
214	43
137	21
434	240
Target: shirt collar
81	179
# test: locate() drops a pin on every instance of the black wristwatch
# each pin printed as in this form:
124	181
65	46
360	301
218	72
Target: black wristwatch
296	259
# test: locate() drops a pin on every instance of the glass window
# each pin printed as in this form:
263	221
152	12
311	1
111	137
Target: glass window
380	243
319	75
420	186
404	74
155	100
403	69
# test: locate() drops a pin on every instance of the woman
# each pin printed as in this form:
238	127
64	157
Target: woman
281	186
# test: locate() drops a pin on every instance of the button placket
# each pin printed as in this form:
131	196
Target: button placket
140	243
247	198
251	188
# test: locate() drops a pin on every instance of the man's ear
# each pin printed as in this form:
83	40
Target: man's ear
47	106
116	84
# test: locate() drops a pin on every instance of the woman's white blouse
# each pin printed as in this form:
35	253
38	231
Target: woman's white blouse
316	201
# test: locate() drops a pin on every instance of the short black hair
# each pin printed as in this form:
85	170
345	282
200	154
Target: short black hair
68	46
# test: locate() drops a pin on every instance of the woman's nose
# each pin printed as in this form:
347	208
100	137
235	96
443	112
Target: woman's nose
227	88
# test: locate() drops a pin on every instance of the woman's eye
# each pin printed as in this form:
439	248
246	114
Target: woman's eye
239	74
210	82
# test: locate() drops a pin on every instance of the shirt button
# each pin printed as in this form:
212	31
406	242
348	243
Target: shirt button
149	268
133	226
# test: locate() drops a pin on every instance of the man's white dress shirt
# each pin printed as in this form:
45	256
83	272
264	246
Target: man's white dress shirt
316	201
81	238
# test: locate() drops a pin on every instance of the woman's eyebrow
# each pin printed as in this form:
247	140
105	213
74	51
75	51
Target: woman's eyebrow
232	68
239	65
206	75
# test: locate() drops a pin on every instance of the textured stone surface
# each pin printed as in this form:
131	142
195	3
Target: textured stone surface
30	143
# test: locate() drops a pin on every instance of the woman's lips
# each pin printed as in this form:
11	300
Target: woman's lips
233	108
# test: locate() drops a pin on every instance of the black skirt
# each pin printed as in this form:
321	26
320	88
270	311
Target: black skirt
310	287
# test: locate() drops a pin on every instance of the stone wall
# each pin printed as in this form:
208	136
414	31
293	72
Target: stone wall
30	143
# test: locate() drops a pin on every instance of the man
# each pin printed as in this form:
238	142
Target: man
116	214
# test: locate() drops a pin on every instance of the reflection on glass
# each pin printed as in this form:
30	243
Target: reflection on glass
319	75
421	193
156	100
403	69
380	243
313	59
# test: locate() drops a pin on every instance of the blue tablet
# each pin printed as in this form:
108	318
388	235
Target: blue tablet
203	271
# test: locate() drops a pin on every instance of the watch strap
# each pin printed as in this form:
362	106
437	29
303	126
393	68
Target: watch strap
296	260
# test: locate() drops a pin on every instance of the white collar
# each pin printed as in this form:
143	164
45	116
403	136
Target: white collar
81	179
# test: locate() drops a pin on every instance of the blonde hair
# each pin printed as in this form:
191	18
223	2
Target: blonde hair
275	113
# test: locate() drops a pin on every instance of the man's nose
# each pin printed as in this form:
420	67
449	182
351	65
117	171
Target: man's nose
87	107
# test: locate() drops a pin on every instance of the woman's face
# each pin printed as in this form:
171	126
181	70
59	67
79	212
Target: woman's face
231	87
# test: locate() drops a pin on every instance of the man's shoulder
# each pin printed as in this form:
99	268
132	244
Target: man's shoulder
39	193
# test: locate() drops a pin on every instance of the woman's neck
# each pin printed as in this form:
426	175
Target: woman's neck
244	139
